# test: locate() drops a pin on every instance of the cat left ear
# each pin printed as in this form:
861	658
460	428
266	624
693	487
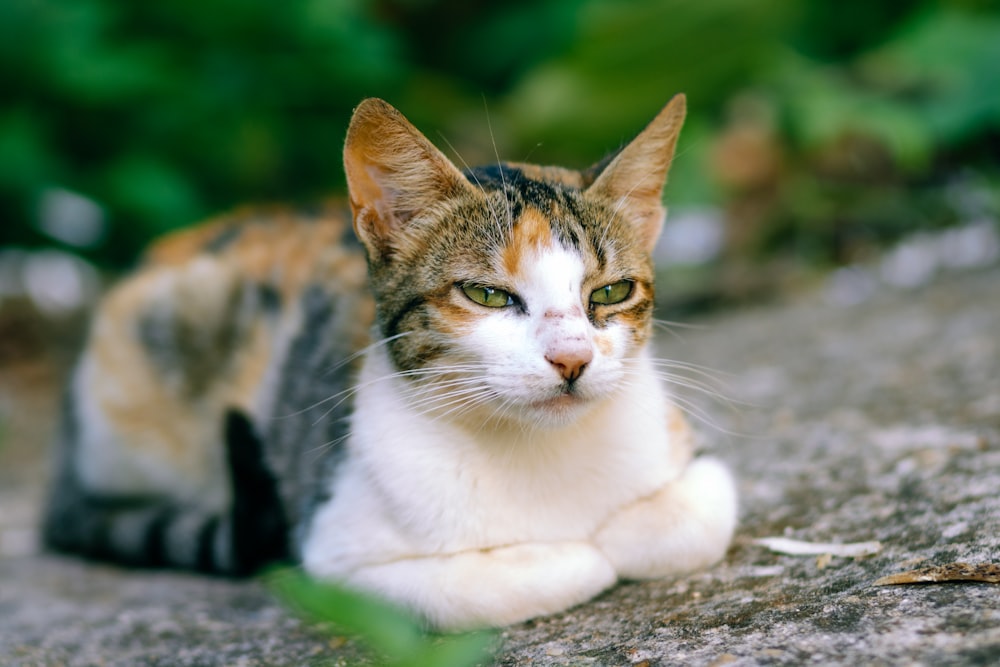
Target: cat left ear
393	175
634	178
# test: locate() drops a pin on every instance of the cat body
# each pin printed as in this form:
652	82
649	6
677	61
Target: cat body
481	436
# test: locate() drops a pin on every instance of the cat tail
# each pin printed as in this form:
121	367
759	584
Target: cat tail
157	531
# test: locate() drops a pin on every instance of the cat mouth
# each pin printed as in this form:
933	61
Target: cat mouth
566	399
558	402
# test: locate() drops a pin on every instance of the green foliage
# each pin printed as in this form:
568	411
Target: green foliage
945	67
871	144
396	638
630	57
934	83
163	113
832	32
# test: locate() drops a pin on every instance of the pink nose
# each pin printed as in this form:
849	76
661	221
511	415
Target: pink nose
570	363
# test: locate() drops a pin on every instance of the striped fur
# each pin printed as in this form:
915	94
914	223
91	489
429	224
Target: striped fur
266	387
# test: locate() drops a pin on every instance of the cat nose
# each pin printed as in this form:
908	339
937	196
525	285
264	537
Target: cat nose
571	362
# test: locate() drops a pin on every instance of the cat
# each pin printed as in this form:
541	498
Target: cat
445	396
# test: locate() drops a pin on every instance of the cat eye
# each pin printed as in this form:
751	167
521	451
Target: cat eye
613	293
491	297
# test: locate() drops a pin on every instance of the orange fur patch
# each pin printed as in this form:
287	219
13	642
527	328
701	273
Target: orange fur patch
193	282
531	233
603	343
681	436
151	417
454	319
272	245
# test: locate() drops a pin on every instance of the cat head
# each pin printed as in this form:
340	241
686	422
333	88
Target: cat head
518	290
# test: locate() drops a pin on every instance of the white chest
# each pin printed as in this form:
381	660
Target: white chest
413	484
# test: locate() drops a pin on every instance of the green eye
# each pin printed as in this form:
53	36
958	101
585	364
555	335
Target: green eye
613	293
490	297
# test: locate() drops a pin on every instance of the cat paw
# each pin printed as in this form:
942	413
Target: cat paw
491	587
685	526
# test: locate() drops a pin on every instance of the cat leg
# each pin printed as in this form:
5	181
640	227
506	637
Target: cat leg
490	587
685	526
156	530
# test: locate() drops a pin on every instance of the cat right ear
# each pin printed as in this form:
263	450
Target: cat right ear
393	175
634	178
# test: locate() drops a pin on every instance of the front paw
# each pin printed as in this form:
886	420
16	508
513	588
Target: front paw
491	587
685	526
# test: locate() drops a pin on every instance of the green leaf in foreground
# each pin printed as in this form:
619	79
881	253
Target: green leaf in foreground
393	635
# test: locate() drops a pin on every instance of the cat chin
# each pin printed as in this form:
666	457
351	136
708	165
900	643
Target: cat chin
561	405
558	411
550	413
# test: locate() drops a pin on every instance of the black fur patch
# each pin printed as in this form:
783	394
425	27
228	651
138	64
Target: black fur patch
305	451
259	526
198	351
206	545
493	176
269	298
223	239
391	327
155	538
522	192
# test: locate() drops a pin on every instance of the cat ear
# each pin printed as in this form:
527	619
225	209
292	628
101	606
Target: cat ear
633	179
393	174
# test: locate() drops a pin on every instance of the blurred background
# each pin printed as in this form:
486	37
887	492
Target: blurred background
833	147
854	140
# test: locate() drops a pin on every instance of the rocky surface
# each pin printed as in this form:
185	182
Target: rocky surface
875	421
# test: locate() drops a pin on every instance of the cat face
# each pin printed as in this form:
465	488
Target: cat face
514	292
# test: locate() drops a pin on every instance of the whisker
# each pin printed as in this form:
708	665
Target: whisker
707	386
346	394
363	351
326	446
704	388
457	402
347	391
433	400
619	205
429	398
471	172
707	372
679	325
496	153
670	327
697	412
461	159
705	381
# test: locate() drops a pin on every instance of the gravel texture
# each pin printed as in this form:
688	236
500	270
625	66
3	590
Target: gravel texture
876	421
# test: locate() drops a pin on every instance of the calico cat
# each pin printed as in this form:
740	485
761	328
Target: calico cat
476	430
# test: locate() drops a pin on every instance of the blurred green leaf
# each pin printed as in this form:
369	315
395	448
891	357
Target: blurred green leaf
945	65
824	106
631	57
394	635
164	112
22	143
150	189
452	651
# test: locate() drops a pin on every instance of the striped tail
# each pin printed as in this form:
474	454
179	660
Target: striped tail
154	531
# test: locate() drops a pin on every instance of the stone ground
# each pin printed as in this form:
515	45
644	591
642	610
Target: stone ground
878	421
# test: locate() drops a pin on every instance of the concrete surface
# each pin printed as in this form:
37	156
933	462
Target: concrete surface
876	421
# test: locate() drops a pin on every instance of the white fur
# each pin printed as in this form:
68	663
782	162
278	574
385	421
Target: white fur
489	521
